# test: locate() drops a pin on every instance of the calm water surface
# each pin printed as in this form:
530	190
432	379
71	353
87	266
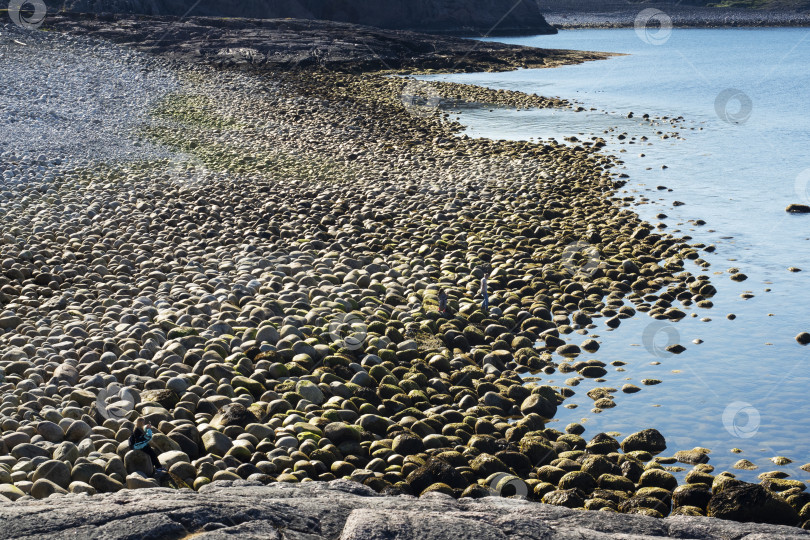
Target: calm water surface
736	162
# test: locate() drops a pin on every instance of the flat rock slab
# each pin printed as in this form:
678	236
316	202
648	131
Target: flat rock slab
342	510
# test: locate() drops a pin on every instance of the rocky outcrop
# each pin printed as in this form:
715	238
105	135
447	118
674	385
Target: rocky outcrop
498	17
340	509
290	44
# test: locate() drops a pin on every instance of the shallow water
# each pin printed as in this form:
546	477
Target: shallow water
736	162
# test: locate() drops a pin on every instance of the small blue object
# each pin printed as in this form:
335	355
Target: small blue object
142	443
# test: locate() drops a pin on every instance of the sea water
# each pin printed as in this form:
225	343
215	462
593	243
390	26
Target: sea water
739	155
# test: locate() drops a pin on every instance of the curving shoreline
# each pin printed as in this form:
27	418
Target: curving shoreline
304	213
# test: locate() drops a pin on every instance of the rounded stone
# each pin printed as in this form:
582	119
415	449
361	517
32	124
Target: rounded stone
138	461
216	443
57	472
43	488
167	459
50	432
648	440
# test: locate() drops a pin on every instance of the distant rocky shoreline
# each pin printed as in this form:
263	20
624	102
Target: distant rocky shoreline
573	14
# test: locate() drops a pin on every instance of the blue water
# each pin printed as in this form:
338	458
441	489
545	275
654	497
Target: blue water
736	163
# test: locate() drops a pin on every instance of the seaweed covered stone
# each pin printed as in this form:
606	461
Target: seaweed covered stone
751	502
648	440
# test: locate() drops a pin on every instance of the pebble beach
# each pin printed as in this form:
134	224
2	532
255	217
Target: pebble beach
251	260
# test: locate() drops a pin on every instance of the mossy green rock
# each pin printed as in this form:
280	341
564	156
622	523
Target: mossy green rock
310	392
181	332
615	482
434	471
577	480
751	502
486	464
255	388
11	491
340	432
538	450
374	423
569	498
658	478
648	440
696	495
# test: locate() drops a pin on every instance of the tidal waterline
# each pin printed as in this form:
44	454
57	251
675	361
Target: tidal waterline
737	157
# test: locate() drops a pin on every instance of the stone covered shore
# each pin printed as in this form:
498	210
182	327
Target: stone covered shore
262	286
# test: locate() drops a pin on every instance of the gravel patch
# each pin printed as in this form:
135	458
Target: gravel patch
71	98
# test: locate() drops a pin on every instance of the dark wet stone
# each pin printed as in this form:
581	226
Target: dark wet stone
649	440
435	471
751	502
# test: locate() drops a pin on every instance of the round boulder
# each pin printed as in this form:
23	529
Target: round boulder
339	432
659	479
569	498
577	480
67	451
137	461
649	440
105	484
539	405
216	443
50	432
43	488
407	445
167	459
751	503
602	443
56	471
